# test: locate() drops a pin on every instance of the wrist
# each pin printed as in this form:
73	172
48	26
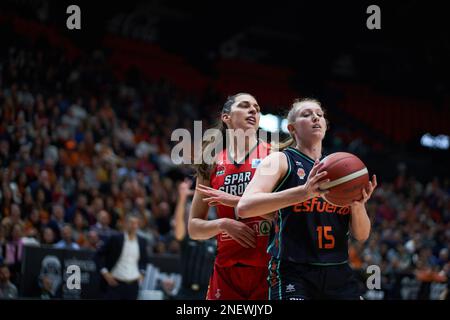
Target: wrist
303	193
104	271
182	196
357	205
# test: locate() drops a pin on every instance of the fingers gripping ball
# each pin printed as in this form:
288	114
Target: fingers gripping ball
348	176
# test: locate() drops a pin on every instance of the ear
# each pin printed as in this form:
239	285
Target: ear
291	128
225	117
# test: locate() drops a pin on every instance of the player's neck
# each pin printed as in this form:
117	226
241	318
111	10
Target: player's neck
239	149
313	150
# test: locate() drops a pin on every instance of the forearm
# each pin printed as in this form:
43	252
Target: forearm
180	228
360	223
260	203
200	229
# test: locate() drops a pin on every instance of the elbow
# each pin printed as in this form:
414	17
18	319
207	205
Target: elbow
362	236
179	235
242	209
192	231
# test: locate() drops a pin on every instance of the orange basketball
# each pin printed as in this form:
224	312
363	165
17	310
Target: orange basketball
348	176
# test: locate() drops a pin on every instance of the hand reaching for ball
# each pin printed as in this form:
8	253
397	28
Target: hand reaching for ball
367	192
312	184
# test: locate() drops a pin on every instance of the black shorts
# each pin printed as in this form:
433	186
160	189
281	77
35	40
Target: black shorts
292	281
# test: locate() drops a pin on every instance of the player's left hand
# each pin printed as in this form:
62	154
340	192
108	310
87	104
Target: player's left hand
367	193
215	197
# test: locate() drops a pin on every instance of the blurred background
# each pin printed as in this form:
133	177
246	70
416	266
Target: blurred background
86	118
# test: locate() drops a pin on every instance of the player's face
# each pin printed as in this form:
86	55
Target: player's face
244	114
310	123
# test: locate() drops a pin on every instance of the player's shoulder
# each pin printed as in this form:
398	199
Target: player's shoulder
277	160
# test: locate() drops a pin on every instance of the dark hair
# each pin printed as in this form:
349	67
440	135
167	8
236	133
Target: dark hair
204	169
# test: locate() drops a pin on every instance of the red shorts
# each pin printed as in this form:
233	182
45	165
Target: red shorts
238	283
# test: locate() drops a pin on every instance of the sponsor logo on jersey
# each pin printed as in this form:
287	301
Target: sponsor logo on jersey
236	183
220	170
290	288
264	227
255	163
299	164
316	205
301	173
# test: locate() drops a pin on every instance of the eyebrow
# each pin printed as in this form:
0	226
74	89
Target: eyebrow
246	101
310	109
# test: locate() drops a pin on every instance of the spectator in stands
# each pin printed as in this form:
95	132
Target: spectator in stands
80	229
57	220
93	241
13	252
3	241
48	237
7	289
32	224
14	218
102	227
67	241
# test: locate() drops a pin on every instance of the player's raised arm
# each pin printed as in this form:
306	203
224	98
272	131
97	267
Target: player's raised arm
258	198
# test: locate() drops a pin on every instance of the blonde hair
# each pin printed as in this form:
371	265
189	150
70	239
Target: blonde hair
291	116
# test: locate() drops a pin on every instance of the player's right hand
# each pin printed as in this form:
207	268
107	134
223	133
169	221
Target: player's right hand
312	183
240	232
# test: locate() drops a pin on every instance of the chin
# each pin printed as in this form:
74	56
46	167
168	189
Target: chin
249	127
317	136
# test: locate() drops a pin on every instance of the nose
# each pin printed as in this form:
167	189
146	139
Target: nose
315	118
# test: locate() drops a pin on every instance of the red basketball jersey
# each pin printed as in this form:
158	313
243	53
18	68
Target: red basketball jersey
233	178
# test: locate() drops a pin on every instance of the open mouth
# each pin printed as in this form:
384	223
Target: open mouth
251	120
316	126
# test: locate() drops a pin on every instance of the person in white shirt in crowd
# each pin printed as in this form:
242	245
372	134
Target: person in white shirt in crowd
122	261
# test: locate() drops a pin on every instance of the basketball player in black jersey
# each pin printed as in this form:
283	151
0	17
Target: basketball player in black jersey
309	238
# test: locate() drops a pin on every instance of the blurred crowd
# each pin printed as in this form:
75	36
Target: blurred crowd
410	237
80	149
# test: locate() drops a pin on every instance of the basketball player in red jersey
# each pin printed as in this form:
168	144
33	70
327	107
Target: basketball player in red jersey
240	268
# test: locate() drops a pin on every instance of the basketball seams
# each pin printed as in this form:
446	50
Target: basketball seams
344	179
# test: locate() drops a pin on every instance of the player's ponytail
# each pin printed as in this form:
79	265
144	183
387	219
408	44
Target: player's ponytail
204	169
